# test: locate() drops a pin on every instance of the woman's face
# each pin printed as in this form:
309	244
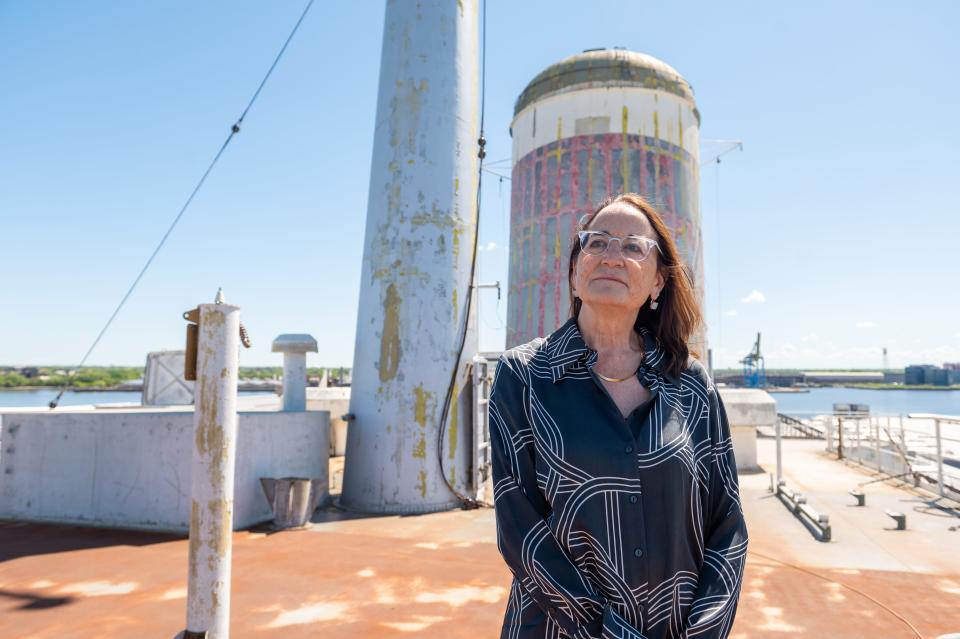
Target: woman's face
611	278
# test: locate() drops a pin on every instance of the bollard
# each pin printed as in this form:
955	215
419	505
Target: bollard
215	441
294	348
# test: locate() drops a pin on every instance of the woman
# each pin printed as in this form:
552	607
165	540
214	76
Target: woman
615	485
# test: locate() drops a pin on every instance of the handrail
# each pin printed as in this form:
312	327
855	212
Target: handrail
950	419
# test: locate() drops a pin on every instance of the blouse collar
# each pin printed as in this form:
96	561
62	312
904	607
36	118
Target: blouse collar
566	349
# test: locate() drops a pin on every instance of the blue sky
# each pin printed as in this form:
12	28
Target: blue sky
834	232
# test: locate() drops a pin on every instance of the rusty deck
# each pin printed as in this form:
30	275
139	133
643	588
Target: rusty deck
440	575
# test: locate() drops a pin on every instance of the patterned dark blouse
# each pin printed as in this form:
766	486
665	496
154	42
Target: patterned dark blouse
612	526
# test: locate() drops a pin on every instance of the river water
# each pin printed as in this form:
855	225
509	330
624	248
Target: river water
820	401
817	402
41	398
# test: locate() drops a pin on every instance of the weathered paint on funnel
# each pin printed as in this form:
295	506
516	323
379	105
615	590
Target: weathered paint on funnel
418	247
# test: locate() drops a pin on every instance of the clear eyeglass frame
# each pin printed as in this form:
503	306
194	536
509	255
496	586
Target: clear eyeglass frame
632	247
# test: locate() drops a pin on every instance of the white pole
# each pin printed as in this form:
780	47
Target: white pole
903	435
294	347
417	257
294	381
215	442
876	443
939	458
859	455
779	458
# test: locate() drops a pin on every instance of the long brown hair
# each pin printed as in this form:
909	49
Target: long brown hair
678	314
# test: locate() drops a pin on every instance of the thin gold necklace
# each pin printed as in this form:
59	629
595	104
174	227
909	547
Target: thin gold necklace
613	379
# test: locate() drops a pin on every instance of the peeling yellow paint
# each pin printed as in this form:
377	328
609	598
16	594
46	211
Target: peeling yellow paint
390	337
457	232
590	175
680	124
420	450
423	484
453	474
454	421
656	124
434	218
386	270
624	156
420	405
456	308
558	153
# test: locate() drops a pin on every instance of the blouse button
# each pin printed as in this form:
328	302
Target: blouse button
628	449
637	553
633	499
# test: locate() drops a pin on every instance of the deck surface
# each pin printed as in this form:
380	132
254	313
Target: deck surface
440	575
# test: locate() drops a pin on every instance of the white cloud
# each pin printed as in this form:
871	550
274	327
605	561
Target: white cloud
755	297
866	324
489	246
812	337
730	313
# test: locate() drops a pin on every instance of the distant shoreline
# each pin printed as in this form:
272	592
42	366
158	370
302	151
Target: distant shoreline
126	389
78	389
917	387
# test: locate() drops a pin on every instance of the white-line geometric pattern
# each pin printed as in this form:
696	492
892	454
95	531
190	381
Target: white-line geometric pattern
612	532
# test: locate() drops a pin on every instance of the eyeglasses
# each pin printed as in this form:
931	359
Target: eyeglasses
633	247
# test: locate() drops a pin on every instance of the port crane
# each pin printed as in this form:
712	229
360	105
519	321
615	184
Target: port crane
754	368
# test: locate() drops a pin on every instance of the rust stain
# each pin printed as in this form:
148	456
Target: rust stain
209	436
221	526
390	338
194	538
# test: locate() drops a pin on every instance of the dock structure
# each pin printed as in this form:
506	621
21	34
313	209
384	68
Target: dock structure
440	576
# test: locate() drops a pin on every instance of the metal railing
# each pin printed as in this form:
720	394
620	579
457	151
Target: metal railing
484	365
914	446
795	428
